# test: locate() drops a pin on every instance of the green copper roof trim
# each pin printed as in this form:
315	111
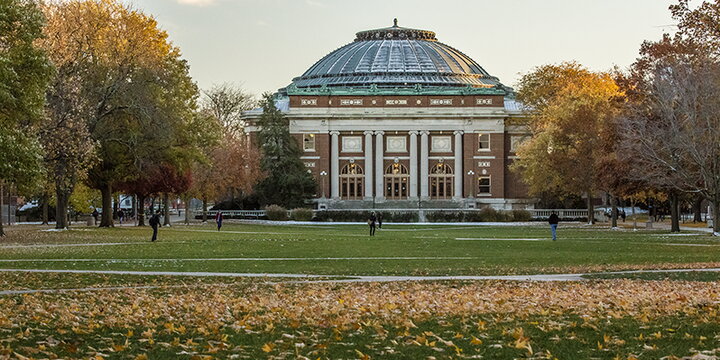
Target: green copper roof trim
375	90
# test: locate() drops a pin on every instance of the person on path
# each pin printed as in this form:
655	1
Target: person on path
379	220
95	215
155	223
553	221
371	221
623	215
219	219
121	215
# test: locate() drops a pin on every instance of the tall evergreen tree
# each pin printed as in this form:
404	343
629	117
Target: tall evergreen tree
287	182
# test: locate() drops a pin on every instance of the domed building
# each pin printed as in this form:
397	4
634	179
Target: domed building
397	119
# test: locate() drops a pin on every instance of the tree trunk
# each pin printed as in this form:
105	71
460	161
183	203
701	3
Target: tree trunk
107	207
591	209
187	210
61	207
45	208
716	216
632	202
141	210
166	209
2	199
134	206
116	206
697	209
204	216
674	212
614	213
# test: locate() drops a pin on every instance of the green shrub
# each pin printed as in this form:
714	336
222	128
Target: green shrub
444	216
301	214
489	214
276	213
521	215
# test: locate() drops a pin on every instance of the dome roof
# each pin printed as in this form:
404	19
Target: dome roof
395	57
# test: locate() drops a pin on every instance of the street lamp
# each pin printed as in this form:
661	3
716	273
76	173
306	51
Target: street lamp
472	183
323	174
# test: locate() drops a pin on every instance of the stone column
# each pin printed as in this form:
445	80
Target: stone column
334	165
458	166
379	167
424	154
413	166
368	166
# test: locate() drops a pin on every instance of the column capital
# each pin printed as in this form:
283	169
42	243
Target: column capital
458	132
425	132
335	132
368	132
413	132
379	132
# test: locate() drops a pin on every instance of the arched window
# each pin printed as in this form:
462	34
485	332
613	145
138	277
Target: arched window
396	182
351	182
441	181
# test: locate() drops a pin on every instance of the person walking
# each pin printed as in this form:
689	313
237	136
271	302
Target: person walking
553	220
219	219
379	220
121	215
95	215
155	223
371	221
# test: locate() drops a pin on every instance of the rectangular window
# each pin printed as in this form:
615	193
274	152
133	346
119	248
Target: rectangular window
483	142
309	142
516	141
484	185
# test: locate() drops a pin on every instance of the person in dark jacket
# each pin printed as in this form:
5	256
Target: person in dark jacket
371	221
379	220
95	215
553	221
121	215
219	219
155	223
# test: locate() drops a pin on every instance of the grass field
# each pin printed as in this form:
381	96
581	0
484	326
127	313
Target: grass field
124	316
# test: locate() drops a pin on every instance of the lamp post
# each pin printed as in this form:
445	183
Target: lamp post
323	174
472	183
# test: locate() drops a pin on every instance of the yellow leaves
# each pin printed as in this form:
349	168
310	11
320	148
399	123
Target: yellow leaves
476	341
361	355
521	341
268	347
141	357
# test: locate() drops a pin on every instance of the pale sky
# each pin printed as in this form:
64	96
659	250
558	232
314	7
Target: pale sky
263	44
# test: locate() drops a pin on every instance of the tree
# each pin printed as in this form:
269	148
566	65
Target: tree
226	103
24	73
287	182
570	111
131	90
673	132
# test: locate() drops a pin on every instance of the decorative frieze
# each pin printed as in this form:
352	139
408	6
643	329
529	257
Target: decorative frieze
396	102
441	102
346	102
441	144
351	144
310	164
308	102
483	102
396	144
483	164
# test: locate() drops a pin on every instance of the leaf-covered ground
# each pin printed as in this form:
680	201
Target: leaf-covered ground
621	319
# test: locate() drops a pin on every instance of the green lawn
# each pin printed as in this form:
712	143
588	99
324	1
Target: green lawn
347	250
624	316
